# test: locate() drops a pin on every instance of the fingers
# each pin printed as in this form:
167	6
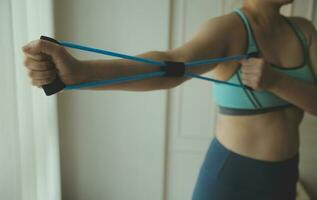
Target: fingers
45	60
41	70
37	57
249	70
254	73
40	78
252	65
41	75
249	75
41	82
253	80
249	81
39	65
42	46
250	60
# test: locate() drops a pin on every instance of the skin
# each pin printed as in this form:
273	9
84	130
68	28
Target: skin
272	136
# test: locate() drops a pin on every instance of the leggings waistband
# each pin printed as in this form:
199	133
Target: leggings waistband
287	162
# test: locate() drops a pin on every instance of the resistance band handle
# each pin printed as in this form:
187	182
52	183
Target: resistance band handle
57	85
174	69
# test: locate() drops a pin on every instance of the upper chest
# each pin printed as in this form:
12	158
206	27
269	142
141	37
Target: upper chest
279	46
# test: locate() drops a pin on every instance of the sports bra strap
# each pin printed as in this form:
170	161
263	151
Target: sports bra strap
252	47
301	37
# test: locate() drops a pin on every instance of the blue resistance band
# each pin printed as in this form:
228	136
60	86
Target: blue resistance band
58	85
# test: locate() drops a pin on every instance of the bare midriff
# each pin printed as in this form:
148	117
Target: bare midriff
272	136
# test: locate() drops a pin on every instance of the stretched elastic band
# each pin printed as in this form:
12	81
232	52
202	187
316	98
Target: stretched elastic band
168	68
191	75
115	81
109	53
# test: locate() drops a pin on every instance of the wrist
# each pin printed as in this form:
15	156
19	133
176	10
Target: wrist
277	80
82	73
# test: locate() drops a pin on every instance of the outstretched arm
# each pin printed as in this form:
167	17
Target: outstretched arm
42	58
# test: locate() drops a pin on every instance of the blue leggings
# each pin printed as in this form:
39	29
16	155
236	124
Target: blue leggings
226	175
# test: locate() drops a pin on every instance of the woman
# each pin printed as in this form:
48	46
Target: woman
255	152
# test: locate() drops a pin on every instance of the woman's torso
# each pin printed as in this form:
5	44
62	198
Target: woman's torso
274	135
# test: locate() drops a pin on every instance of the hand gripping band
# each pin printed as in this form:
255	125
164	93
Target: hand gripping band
57	85
168	68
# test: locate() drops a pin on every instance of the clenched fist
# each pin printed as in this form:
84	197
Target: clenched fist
44	60
258	74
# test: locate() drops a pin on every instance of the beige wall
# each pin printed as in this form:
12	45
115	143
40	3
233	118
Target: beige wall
112	142
308	155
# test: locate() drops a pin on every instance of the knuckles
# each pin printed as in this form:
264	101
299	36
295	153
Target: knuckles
30	73
41	82
261	62
26	61
39	44
37	65
254	72
256	85
41	74
59	50
44	65
55	49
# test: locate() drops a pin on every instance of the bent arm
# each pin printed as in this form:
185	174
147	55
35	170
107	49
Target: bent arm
210	41
297	92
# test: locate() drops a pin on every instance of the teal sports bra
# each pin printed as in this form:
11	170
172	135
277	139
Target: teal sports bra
243	101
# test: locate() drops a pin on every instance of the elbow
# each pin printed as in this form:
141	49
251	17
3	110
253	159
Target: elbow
172	82
174	55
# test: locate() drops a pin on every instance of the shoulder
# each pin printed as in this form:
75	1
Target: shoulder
213	38
225	24
224	20
306	26
310	32
224	29
302	22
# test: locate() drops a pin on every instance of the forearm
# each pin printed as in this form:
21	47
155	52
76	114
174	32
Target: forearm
210	41
95	70
297	92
